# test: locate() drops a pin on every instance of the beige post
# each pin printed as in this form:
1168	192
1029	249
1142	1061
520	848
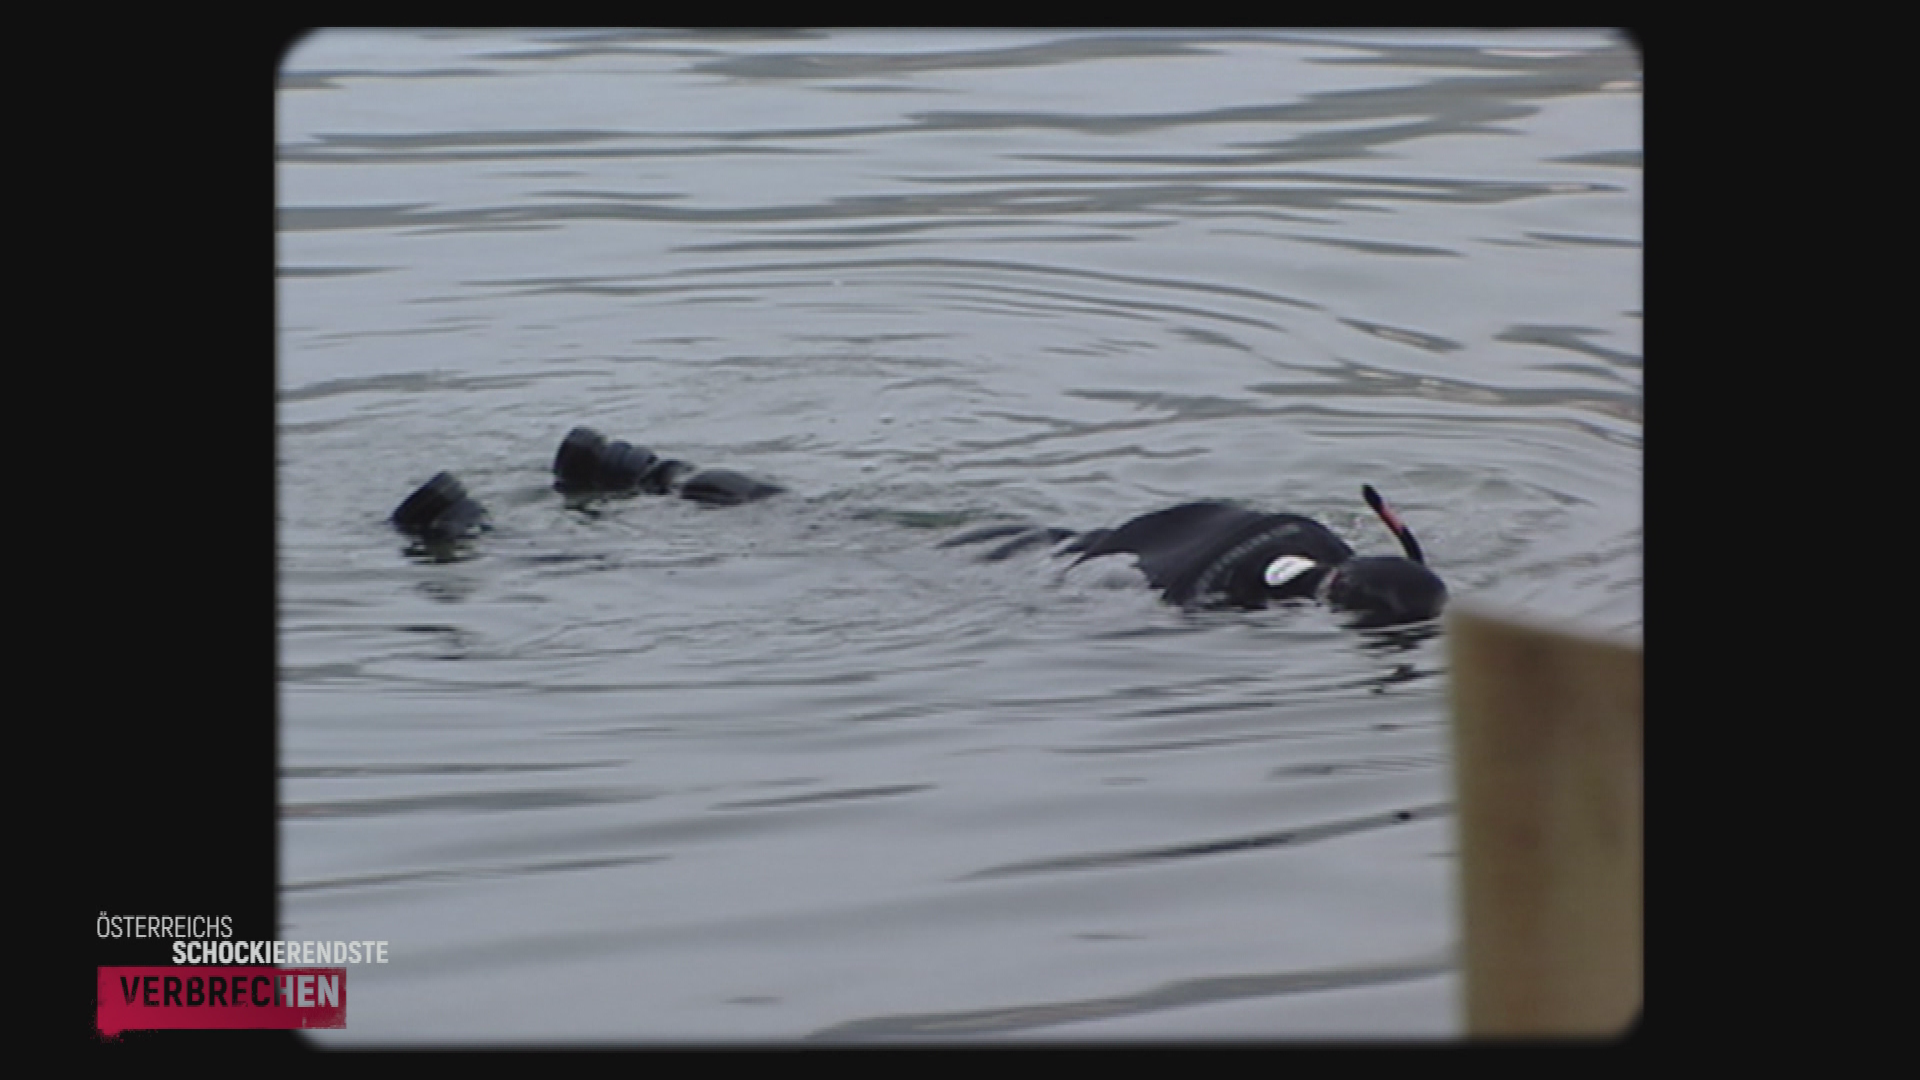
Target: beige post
1547	755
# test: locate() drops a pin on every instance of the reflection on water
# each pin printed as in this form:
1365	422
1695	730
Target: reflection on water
635	769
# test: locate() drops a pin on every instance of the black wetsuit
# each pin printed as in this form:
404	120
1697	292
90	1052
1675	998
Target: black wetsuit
1218	554
1198	554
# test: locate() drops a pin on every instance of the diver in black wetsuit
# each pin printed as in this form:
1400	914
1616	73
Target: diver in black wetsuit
1201	554
1216	554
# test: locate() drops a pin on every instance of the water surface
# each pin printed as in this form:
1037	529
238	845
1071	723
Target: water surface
655	772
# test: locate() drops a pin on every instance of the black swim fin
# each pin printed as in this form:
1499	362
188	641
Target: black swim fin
440	510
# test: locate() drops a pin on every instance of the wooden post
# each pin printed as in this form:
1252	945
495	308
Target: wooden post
1548	752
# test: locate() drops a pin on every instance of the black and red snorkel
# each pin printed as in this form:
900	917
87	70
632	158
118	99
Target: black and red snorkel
1386	590
1394	524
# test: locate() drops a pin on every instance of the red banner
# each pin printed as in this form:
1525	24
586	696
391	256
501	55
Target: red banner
146	998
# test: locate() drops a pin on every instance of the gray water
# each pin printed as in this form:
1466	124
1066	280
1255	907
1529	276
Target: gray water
655	772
